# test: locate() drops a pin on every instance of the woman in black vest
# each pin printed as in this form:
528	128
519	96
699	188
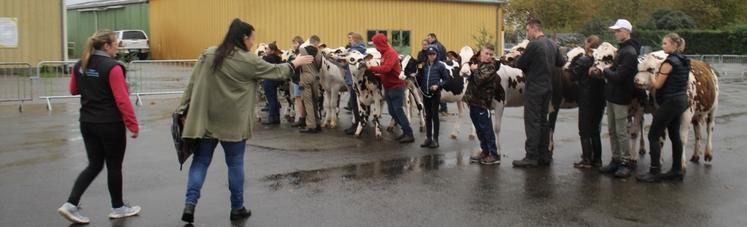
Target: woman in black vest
671	95
105	112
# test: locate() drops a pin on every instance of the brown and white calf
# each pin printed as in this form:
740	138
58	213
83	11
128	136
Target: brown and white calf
702	94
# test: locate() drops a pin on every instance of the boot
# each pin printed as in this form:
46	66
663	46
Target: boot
525	163
301	123
653	175
624	171
586	150
434	144
188	215
611	167
426	143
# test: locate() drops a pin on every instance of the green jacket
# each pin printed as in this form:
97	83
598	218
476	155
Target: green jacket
222	103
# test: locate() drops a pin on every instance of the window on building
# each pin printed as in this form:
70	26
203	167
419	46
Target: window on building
401	41
371	33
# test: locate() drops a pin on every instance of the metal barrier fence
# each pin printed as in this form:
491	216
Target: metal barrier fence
158	77
53	79
15	82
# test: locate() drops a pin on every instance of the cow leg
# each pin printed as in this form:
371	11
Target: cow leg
710	121
325	106
419	104
362	116
377	105
335	108
499	107
635	125
697	122
457	122
687	117
552	119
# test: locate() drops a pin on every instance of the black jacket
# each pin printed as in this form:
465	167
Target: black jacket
590	88
620	88
537	62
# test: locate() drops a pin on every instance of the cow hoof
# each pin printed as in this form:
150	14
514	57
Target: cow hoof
708	158
332	125
389	129
695	159
642	151
379	137
453	136
324	125
472	137
358	135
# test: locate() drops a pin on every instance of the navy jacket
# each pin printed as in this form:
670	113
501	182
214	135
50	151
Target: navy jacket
432	74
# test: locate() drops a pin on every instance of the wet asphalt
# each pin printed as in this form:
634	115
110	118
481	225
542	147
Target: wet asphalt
331	179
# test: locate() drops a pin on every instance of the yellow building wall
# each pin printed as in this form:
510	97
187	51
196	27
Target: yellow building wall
39	30
181	29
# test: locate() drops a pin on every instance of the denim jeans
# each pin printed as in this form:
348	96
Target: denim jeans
394	99
271	93
201	161
483	122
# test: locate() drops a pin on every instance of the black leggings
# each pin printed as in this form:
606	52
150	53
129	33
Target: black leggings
431	115
667	117
105	142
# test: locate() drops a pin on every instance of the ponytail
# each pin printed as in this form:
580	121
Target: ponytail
677	40
95	42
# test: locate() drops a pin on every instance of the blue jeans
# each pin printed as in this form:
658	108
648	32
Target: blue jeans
271	92
394	100
200	162
483	122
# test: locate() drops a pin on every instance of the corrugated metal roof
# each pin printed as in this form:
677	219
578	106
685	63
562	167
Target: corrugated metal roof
97	4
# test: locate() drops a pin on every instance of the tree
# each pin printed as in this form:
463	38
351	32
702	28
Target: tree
666	19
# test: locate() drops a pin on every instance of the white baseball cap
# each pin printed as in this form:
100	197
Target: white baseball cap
622	23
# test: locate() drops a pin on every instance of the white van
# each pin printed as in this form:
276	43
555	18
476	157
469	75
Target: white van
133	42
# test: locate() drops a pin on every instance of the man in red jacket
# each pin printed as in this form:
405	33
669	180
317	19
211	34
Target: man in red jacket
394	88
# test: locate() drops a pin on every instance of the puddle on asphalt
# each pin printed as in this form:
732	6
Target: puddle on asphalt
387	169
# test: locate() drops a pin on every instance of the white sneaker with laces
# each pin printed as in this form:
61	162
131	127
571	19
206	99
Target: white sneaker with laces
72	213
124	211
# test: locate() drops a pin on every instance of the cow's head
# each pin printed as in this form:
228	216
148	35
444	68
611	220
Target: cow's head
333	53
357	62
410	66
466	53
514	52
647	66
573	55
288	55
604	55
261	49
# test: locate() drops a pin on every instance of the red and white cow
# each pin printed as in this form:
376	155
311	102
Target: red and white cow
702	93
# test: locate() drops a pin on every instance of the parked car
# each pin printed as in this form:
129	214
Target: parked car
133	42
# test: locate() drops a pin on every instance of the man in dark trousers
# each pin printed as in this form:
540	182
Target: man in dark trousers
619	93
538	62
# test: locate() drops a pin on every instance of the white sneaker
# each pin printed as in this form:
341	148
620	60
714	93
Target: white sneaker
124	211
72	213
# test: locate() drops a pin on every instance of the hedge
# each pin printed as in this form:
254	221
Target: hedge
731	41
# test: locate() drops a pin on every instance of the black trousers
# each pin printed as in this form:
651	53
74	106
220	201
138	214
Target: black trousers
105	143
667	117
536	126
590	113
432	123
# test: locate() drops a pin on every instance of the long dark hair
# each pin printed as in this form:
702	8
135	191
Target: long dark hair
234	38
